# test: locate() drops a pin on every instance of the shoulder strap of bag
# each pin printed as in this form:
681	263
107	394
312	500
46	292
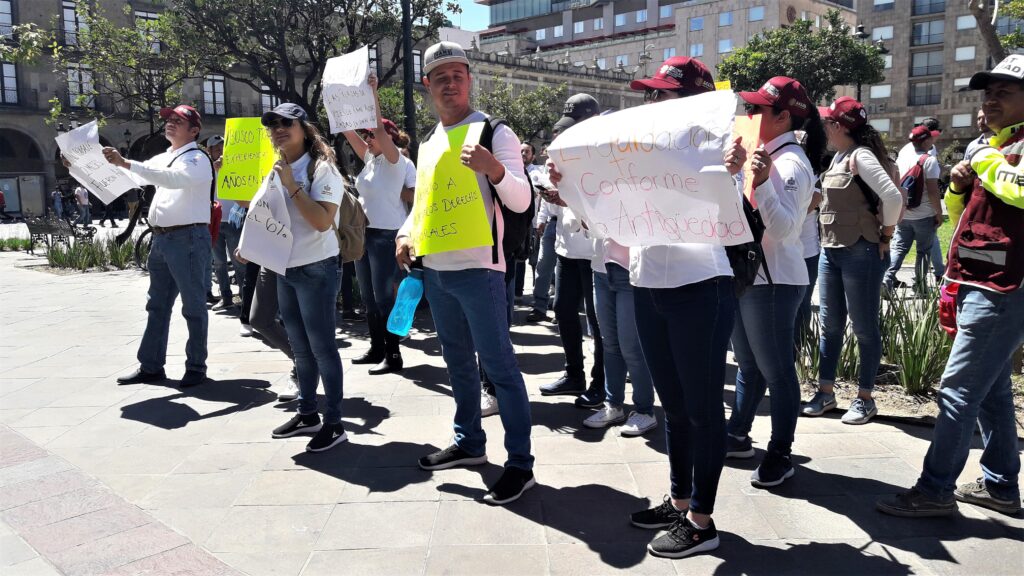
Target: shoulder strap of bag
213	173
867	191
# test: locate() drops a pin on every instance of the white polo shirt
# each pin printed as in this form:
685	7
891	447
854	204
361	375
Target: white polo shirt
380	186
182	188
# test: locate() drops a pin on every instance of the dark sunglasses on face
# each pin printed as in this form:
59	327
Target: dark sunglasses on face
751	109
280	123
652	95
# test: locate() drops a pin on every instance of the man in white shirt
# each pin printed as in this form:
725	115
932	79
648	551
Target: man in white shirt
82	197
920	221
179	261
935	255
466	287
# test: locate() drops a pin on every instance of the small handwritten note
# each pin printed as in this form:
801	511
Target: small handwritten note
348	98
82	148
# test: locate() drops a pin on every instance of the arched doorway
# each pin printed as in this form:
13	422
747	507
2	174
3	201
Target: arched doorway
22	173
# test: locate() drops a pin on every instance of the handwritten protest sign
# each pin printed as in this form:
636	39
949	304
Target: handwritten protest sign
654	175
248	157
348	98
723	85
449	212
82	148
266	240
749	128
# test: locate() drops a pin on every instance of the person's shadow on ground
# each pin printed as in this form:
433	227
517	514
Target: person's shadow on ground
168	413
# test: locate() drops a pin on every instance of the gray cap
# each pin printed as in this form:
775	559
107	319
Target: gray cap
577	108
443	53
284	110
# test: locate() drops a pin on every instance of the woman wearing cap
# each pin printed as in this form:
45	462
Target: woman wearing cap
762	338
855	252
385	184
307	291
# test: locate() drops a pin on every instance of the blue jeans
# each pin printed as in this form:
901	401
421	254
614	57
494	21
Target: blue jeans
803	313
762	343
306	296
179	263
922	231
84	217
850	283
613	299
545	268
687	363
377	270
471	318
938	262
224	253
976	388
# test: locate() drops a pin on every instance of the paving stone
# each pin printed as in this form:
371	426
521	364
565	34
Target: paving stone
91	526
99	556
186	560
405	524
59	507
476	523
511	560
269	563
32	470
227	458
15	495
376	562
14	550
606	558
291	487
250	529
34	567
196	490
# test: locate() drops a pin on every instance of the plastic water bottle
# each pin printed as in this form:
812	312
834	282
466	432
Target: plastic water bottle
409	293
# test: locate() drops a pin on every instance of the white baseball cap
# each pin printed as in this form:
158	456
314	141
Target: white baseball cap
1011	68
443	53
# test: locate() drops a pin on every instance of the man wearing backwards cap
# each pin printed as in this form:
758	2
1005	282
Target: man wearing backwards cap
986	257
466	288
179	261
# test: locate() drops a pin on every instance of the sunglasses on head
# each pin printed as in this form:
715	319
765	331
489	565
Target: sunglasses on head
280	123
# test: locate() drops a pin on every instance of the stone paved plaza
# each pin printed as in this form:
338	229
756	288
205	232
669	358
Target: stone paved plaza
97	478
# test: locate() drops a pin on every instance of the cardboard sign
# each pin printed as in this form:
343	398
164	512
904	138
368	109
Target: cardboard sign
654	174
248	158
749	128
266	240
348	98
448	211
82	148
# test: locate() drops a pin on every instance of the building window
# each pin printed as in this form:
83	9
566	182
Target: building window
417	63
922	7
961	121
696	50
558	31
622	60
668	53
80	86
725	45
268	101
577	27
888	60
144	21
641	16
962	82
541	34
9	84
964	53
665	12
756	14
725	19
696	24
966	22
930	32
881	91
620	20
73	23
882	33
602	64
925	93
926	63
1006	25
6	18
598	23
882	5
374	60
213	95
880	124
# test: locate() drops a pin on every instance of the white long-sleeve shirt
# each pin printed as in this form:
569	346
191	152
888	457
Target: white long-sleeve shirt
513	190
182	188
572	240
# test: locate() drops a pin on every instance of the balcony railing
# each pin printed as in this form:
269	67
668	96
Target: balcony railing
922	7
926	70
925	39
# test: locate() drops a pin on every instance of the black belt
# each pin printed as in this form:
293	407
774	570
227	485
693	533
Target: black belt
165	230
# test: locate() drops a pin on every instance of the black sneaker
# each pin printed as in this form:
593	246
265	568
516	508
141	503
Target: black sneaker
140	376
329	436
564	386
736	448
513	482
592	399
976	493
774	470
351	315
192	378
299	424
684	539
661	516
451	457
915	504
211	299
536	316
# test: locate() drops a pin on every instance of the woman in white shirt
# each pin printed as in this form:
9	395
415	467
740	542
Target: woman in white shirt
308	289
385	184
762	338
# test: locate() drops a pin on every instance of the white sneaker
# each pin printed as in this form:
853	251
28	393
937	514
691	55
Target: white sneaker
245	330
488	405
291	392
638	424
605	417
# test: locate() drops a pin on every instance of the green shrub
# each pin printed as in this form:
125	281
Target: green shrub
93	253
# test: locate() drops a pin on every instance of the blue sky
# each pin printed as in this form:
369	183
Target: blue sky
473	17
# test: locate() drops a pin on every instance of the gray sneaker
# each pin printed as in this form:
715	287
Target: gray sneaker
821	402
976	493
861	411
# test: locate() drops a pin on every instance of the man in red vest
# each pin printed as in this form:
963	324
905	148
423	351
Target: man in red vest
986	258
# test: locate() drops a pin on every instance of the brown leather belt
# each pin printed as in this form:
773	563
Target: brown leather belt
165	230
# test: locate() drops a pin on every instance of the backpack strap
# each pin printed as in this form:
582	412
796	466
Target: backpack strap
213	179
869	194
487	141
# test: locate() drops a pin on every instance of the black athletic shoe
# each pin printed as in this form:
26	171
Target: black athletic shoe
140	376
536	316
451	457
774	470
513	482
192	378
684	539
564	386
736	448
392	363
329	436
661	516
299	424
592	399
915	504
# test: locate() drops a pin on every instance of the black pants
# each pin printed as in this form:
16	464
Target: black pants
575	284
252	275
348	273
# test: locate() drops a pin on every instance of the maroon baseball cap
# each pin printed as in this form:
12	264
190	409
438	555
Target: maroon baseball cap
781	92
185	112
847	111
679	73
921	133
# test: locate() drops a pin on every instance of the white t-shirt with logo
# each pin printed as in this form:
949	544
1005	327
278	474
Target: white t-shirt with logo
904	162
380	186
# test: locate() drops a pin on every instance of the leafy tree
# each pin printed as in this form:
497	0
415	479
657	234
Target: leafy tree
528	112
26	45
392	107
820	59
998	46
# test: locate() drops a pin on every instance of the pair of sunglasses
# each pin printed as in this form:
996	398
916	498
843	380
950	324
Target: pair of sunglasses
280	123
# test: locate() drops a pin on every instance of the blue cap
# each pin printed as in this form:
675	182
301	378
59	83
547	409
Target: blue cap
286	110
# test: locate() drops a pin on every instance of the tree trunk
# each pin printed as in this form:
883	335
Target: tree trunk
982	12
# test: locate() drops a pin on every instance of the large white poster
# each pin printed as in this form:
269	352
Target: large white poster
654	174
348	97
82	148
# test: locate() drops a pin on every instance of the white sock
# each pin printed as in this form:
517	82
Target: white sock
697	526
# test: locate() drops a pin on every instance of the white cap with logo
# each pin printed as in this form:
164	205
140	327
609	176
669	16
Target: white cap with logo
443	53
1011	69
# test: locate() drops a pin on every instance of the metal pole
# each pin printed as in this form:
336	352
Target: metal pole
407	78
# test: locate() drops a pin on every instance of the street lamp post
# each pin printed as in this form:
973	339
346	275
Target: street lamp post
861	35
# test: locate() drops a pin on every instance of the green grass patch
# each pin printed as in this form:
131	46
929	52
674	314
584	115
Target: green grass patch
945	235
